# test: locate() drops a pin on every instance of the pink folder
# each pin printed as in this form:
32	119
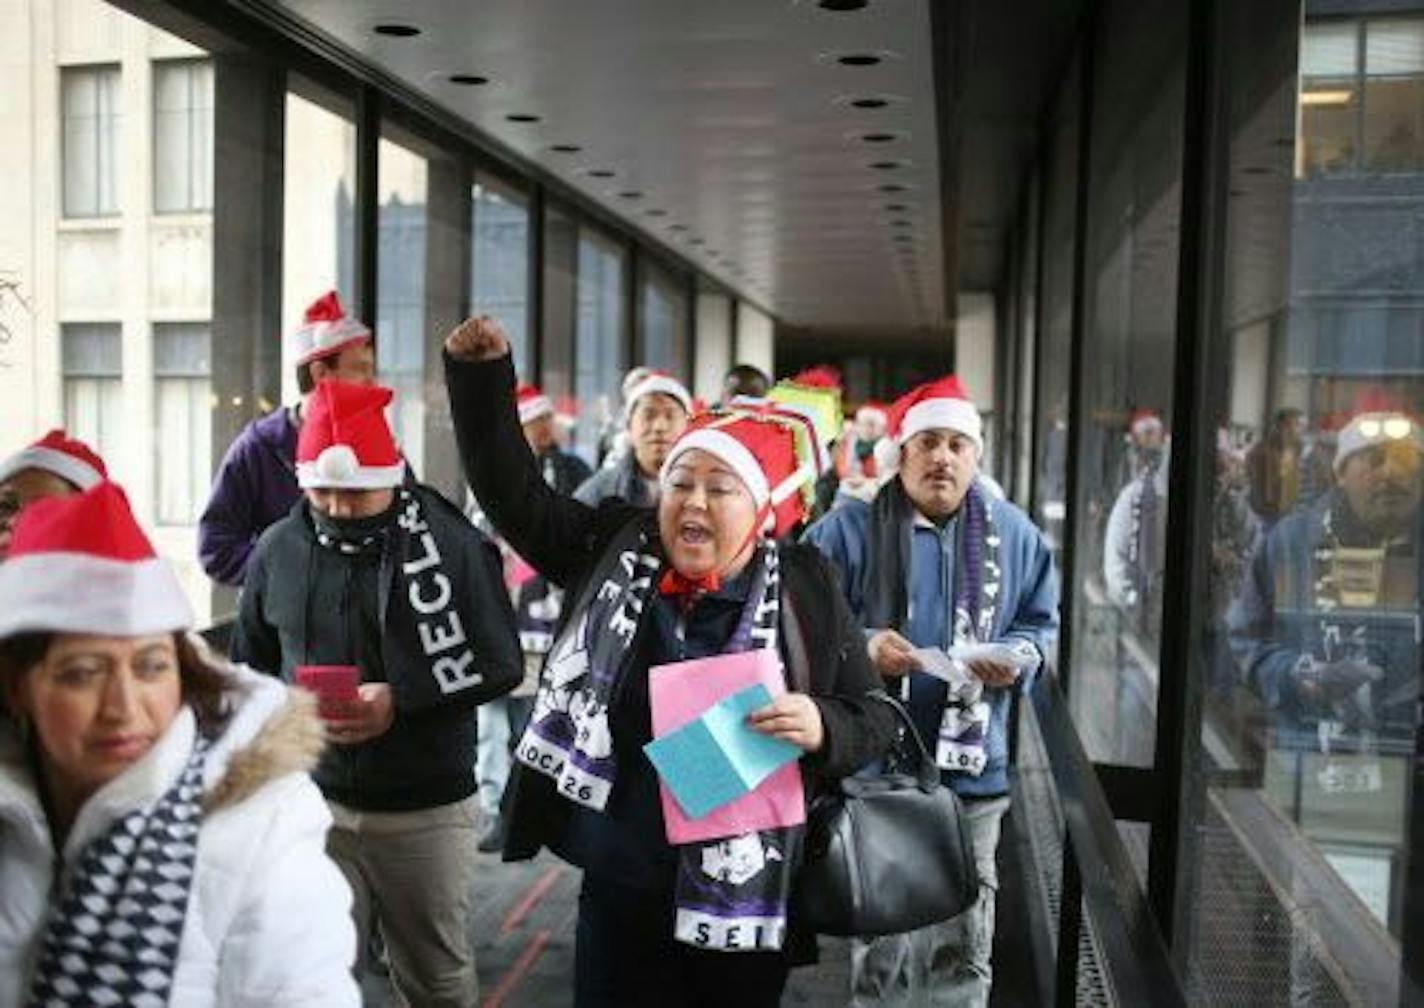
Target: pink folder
680	692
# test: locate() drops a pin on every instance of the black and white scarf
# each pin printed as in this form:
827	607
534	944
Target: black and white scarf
978	582
115	935
435	636
731	893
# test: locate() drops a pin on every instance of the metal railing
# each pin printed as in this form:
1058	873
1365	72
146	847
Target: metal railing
1097	876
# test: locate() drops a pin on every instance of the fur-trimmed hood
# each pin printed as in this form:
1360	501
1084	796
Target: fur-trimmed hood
269	914
270	731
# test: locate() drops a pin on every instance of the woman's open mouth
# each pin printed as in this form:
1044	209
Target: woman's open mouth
694	534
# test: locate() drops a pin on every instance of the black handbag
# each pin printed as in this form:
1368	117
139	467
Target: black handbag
886	854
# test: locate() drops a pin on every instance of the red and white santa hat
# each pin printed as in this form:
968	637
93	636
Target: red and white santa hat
326	329
1140	421
1366	430
345	442
658	381
532	404
873	412
761	448
58	453
81	564
940	404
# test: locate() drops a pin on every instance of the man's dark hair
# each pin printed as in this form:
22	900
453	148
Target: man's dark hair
305	381
747	380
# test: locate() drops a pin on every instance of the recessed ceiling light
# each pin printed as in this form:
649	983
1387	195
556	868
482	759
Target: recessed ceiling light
887	165
630	194
858	59
869	103
566	148
469	80
893	187
895	208
522	117
397	30
601	173
879	138
841	6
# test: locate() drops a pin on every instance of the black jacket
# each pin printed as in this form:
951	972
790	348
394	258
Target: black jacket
564	539
304	604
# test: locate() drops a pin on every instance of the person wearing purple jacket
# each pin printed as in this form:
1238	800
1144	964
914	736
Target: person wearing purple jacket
256	485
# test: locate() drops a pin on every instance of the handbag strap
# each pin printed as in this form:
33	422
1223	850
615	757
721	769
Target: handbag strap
926	773
799	666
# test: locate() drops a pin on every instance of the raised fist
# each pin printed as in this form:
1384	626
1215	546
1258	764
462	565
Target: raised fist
477	339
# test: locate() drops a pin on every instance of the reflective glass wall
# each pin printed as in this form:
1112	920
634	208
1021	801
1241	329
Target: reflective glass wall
1315	560
1264	591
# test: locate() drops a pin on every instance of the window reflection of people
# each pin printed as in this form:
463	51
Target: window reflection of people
1273	466
1325	627
1134	545
1146	441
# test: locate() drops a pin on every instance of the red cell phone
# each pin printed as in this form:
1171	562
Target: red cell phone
335	687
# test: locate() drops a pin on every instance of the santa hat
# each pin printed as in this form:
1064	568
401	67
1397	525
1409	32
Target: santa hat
532	403
81	564
326	329
61	455
821	376
761	448
872	412
1366	430
940	404
345	442
658	381
1141	421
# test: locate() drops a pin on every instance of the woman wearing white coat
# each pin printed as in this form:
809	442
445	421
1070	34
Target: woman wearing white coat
160	840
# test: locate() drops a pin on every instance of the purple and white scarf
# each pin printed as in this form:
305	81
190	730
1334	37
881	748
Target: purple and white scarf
978	583
732	892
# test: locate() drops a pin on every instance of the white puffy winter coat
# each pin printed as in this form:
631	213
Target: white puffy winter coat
269	920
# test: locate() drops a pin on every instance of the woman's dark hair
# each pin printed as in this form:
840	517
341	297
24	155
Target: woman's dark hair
202	679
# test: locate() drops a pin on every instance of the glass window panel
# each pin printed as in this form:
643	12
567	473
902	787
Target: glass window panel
400	323
1130	323
1329	125
1050	503
1394	47
183	136
91	113
664	320
499	261
318	209
1394	96
1312	654
182	420
1330	49
601	339
92	350
92	365
561	242
182	350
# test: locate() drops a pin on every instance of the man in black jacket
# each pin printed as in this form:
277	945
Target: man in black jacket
380	575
